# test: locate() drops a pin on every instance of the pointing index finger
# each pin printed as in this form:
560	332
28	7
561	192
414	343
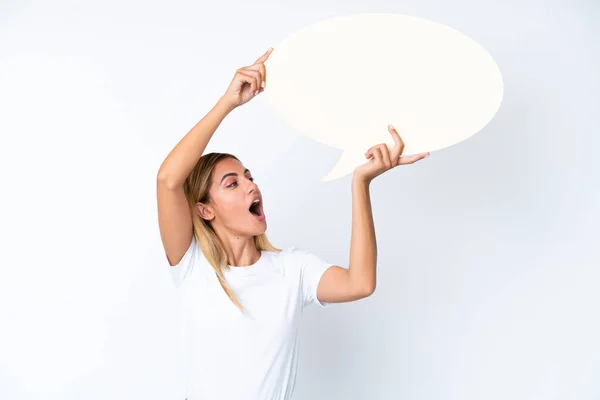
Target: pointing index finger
264	57
399	144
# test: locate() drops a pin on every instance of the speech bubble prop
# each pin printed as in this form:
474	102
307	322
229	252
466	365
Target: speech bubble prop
343	80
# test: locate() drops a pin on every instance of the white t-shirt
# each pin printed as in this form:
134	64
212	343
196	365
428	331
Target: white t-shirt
228	355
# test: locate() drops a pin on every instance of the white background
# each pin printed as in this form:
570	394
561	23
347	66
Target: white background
487	272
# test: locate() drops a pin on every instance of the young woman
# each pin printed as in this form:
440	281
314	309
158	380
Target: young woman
241	298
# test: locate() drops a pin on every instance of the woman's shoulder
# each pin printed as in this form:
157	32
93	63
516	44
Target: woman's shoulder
287	250
290	254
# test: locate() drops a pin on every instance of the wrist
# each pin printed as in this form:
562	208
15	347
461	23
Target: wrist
226	105
361	182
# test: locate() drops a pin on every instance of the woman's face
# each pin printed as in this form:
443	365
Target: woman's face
232	193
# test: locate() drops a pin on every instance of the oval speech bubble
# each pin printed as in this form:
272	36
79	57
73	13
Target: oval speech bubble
343	80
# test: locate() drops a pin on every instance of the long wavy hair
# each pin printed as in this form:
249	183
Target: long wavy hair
196	188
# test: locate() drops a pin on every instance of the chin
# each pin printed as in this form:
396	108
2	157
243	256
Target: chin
261	231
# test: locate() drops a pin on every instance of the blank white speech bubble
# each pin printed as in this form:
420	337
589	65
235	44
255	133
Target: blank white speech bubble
343	80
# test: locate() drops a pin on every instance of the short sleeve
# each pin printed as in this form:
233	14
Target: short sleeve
181	270
312	269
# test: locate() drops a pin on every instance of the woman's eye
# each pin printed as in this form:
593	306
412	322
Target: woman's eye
235	183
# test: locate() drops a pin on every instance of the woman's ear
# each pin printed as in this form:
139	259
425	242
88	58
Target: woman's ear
204	211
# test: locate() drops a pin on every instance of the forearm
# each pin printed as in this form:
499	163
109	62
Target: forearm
363	246
181	160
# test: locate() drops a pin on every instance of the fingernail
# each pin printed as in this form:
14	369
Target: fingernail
392	126
255	93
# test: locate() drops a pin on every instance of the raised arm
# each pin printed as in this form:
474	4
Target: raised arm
360	279
174	219
246	84
181	160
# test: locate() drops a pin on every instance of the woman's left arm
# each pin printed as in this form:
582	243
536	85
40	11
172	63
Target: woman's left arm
363	244
339	284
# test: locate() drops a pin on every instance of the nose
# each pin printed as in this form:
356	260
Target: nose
253	187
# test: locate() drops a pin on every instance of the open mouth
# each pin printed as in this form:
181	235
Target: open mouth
256	209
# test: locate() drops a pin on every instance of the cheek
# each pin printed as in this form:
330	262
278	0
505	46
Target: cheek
233	208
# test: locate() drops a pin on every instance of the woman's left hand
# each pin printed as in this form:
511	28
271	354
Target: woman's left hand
383	159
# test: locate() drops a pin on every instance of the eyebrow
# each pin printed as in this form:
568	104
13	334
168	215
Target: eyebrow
232	174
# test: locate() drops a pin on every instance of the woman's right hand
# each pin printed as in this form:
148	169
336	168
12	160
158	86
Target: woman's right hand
247	82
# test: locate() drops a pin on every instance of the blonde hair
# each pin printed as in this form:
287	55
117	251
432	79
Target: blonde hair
196	188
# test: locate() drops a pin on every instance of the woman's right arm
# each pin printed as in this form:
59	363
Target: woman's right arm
181	160
174	218
246	84
175	221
